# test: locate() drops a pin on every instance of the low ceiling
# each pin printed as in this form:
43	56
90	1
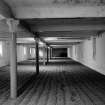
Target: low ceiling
17	3
57	8
70	21
65	30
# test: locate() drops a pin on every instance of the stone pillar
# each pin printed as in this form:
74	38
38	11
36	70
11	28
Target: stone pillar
13	57
47	54
50	53
37	54
44	56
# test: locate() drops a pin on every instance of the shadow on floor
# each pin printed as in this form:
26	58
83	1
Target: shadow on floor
62	83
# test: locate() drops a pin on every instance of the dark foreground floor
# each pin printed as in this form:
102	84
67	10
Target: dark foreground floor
59	83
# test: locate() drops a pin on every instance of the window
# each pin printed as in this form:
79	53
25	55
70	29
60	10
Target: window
34	50
1	49
40	53
30	51
24	50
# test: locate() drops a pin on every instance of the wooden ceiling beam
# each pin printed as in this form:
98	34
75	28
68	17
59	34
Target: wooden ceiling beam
96	27
61	46
73	34
64	43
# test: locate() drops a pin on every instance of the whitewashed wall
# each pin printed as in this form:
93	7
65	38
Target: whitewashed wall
32	53
4	59
69	52
84	54
22	53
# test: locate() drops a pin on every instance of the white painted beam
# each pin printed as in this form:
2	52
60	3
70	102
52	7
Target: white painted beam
58	11
96	27
61	46
64	40
68	34
24	34
4	34
65	43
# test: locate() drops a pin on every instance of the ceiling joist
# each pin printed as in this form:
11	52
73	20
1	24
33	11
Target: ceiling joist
72	34
96	27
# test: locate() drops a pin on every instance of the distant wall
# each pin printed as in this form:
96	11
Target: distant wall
59	52
91	53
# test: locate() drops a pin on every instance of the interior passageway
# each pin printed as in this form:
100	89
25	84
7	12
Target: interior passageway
61	82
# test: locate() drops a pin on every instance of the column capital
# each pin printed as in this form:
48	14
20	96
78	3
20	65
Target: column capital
12	24
36	35
36	39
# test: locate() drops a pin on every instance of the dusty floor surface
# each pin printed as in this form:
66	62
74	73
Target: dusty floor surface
59	83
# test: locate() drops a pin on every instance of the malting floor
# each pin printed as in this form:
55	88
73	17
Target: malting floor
59	83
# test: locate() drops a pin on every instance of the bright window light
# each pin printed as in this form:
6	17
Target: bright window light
1	49
40	53
34	51
24	50
41	43
50	38
30	51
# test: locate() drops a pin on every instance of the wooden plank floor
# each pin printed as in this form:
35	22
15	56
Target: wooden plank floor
59	83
